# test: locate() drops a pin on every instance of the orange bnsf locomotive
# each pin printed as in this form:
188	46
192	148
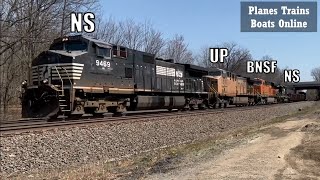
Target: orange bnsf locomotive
80	75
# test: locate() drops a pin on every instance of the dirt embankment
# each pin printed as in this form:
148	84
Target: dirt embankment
286	150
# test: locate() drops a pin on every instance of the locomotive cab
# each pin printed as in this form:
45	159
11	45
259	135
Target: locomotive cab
222	86
264	91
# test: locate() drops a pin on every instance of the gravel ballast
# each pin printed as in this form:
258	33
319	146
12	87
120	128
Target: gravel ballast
73	146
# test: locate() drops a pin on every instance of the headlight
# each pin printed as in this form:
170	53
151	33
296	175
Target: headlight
24	83
45	81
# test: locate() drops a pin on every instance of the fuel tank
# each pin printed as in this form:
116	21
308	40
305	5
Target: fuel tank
160	102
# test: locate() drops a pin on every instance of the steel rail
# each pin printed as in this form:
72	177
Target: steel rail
38	124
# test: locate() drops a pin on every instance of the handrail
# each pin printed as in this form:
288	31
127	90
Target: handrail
214	90
67	75
71	105
60	79
255	91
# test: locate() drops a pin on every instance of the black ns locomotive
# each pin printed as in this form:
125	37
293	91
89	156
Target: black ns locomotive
81	75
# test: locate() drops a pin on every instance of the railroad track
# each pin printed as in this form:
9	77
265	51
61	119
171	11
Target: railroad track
26	125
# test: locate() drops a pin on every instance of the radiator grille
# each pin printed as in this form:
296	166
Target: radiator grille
66	71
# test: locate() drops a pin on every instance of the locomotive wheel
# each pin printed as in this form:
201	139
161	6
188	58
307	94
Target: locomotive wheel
225	105
121	108
186	107
201	106
214	106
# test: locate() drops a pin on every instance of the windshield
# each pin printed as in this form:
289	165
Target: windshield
257	82
215	73
69	46
75	45
47	57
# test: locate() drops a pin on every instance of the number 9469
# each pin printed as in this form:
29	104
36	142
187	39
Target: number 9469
103	63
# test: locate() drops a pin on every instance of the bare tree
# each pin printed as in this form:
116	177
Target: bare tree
132	34
315	73
267	58
22	23
66	7
17	14
275	77
109	31
236	58
203	57
177	49
138	36
152	39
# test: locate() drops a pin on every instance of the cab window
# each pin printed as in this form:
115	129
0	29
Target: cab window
123	52
118	51
103	52
115	50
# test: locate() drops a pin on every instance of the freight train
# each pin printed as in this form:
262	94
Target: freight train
80	75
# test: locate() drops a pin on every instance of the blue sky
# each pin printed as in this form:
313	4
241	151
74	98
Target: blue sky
211	22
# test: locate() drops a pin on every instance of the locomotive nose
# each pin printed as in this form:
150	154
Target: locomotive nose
52	57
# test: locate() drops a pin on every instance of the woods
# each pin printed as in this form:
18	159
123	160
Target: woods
315	73
28	27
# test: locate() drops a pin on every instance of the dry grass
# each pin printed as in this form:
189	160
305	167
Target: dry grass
309	152
13	113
